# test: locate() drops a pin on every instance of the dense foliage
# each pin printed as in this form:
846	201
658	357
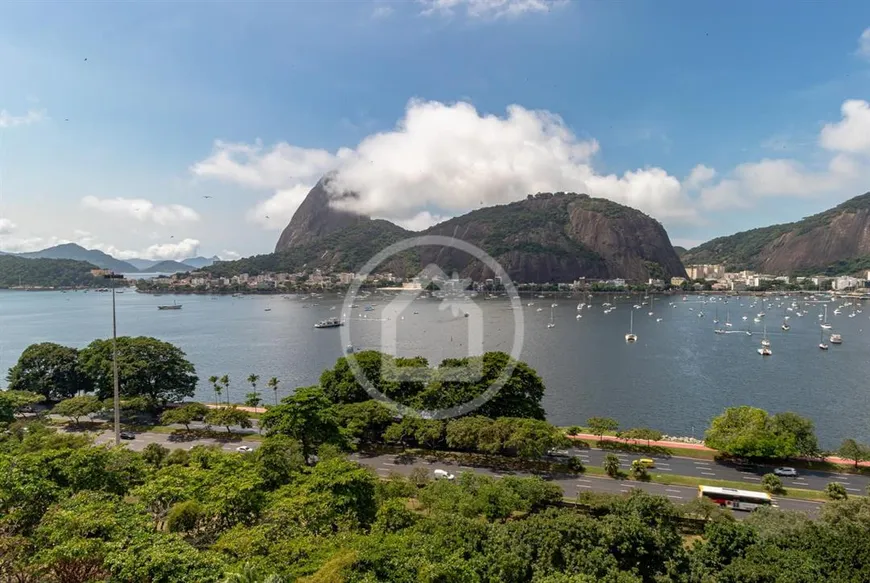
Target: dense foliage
753	433
15	271
50	370
155	371
73	513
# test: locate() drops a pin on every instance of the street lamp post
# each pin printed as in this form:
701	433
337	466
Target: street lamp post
117	394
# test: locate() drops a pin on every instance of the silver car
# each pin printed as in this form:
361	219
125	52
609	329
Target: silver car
786	472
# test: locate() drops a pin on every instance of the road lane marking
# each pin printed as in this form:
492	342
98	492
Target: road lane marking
752	478
708	473
665	469
853	489
672	490
701	463
583	486
677	497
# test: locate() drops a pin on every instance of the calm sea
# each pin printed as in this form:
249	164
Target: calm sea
675	378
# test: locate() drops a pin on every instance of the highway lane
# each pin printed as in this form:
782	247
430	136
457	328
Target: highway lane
855	484
383	465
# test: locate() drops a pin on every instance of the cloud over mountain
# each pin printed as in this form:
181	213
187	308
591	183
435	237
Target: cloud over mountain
142	210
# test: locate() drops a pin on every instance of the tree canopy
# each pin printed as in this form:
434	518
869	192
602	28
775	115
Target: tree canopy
147	367
751	432
50	370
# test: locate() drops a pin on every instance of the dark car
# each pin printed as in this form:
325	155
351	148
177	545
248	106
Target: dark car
127	435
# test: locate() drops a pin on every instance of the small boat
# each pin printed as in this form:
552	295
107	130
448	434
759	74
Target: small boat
631	336
765	351
822	344
348	349
267	309
174	306
836	339
552	322
825	325
329	323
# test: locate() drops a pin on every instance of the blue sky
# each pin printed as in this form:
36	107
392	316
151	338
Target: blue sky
712	118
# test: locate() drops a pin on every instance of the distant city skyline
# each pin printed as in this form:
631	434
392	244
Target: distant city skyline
170	131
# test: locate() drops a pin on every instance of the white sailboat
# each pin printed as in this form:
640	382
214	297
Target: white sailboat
552	323
631	336
765	345
825	325
727	318
822	344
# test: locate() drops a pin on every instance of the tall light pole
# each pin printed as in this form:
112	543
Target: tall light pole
117	394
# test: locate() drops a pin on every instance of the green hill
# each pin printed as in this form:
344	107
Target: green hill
835	241
15	271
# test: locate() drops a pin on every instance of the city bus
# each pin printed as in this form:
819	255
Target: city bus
734	498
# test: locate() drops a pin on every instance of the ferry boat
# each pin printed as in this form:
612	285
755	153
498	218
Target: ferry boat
329	323
174	306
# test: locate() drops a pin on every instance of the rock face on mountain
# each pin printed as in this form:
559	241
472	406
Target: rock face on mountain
835	241
544	238
315	218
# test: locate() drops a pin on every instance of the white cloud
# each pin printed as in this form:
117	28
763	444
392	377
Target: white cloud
142	209
489	8
250	166
275	212
382	11
864	44
421	221
442	160
228	255
6	226
699	176
852	133
176	251
7	120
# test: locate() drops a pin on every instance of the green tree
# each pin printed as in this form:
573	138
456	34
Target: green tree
642	434
155	454
228	416
464	433
225	381
215	385
7	408
307	416
611	465
279	459
273	384
639	471
249	574
772	483
184	415
792	426
50	370
365	421
22	400
77	407
601	425
852	450
163	558
254	396
147	367
750	432
836	491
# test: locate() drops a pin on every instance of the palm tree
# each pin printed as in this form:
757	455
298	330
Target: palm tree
253	378
611	465
273	384
217	390
225	381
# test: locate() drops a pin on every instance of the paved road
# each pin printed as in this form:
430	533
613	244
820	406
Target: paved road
682	466
571	486
383	465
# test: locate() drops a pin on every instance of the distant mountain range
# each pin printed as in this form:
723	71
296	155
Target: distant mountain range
547	237
105	261
833	242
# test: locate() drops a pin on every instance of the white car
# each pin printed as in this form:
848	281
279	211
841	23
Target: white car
786	472
244	449
443	475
